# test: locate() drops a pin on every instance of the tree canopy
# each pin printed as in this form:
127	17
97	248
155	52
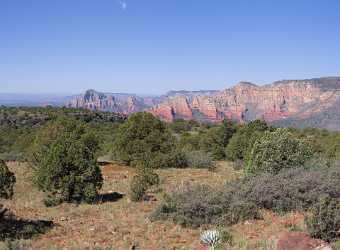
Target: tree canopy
277	150
66	164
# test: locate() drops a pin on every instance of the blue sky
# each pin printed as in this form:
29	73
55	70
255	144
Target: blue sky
151	46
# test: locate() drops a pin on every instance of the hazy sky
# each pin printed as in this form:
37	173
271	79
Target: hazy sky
151	46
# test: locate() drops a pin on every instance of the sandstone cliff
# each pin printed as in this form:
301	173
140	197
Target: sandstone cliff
311	102
283	100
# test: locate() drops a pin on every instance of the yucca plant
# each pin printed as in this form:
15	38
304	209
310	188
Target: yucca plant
211	238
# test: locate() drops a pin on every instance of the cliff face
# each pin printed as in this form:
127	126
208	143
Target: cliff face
295	99
112	102
282	102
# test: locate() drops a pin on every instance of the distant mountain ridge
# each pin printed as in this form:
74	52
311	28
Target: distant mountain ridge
298	103
309	102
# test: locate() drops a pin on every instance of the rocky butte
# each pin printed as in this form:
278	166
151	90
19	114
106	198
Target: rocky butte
300	103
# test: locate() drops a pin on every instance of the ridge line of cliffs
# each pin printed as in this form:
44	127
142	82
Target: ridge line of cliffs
311	102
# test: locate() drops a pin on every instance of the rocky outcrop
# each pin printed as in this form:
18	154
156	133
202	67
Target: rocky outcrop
284	100
311	102
113	102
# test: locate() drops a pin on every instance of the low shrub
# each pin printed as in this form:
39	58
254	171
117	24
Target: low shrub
138	187
291	189
324	221
141	182
199	159
193	206
226	237
318	161
170	159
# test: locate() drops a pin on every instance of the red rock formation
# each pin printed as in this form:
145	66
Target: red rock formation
247	101
315	102
164	112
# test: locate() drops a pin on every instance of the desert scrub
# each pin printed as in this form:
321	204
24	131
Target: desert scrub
141	182
193	206
290	190
199	159
324	220
239	200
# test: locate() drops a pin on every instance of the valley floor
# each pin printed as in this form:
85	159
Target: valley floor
117	223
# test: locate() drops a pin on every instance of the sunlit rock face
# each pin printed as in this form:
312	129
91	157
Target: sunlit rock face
283	100
311	102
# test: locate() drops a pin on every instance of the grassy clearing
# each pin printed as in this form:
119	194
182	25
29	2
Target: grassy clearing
122	224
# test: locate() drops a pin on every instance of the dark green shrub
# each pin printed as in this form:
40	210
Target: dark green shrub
66	168
7	180
193	206
144	138
180	125
199	159
242	141
275	151
237	147
138	188
190	141
216	138
141	182
172	159
324	221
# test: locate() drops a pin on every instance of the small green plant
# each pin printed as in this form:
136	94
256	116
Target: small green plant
226	237
141	182
324	221
138	187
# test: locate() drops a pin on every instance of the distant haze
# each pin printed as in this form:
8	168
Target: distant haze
17	99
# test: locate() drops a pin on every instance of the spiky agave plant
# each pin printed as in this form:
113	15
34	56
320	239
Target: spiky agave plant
211	238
